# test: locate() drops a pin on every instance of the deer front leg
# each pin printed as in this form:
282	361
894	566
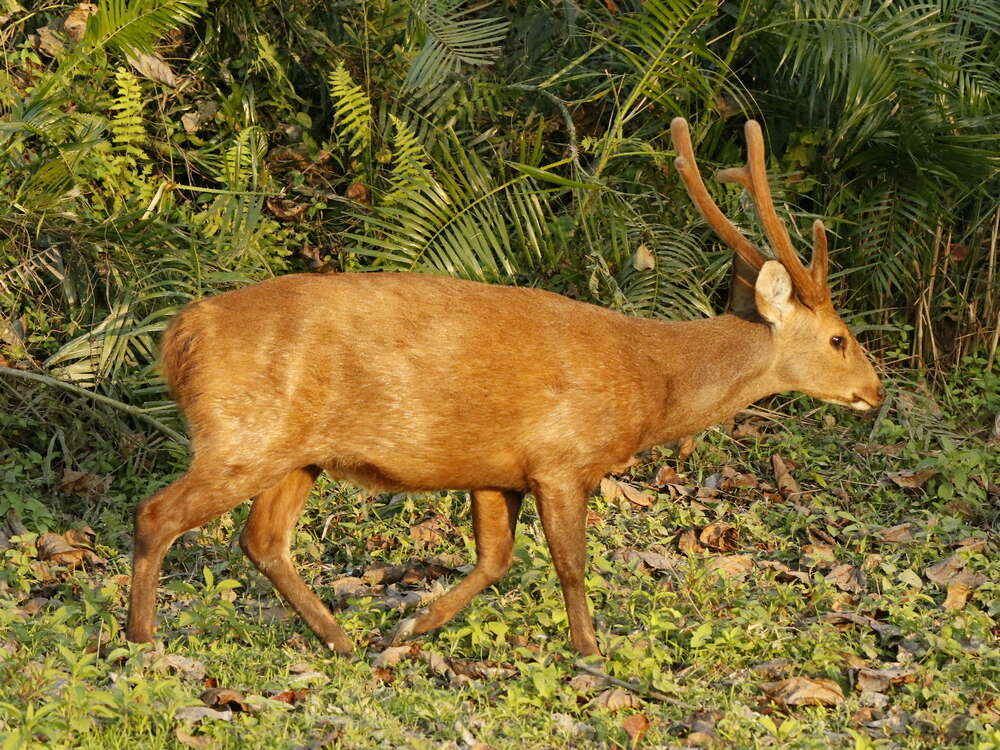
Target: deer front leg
266	541
564	521
494	520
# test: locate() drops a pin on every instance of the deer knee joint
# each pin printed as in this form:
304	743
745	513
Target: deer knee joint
260	552
494	570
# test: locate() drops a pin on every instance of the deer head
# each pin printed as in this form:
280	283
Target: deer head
816	353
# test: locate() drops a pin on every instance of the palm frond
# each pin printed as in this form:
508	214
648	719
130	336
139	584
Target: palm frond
465	220
454	37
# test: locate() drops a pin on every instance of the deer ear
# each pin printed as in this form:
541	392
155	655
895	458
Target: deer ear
773	293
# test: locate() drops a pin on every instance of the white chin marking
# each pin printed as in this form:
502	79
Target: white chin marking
857	404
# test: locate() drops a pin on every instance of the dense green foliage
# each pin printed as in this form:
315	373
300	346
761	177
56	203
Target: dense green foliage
176	149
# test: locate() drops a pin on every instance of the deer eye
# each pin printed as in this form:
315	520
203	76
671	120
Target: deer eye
838	342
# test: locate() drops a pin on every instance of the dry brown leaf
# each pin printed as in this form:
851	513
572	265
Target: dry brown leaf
421	571
432	531
961	587
191	121
383	575
291	697
772	668
82	537
805	691
83	483
820	536
878	680
843	619
614	489
745	429
55	549
438	663
945	571
863	716
853	660
735	480
874	449
75	24
357	192
635	727
191	740
784	573
348	586
617	698
586	682
848	578
685	447
688	542
910	479
731	566
286	210
178	664
384	676
609	488
900	533
643	258
653	560
482	670
197	713
153	67
225	698
958	596
49	41
701	727
391	656
667	475
971	543
783	477
987	710
817	555
720	536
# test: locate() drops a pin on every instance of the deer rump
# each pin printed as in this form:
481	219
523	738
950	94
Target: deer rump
407	382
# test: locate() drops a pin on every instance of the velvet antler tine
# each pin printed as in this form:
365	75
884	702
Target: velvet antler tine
687	168
820	266
775	230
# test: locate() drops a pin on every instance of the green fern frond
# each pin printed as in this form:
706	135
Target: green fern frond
127	128
243	167
410	170
352	110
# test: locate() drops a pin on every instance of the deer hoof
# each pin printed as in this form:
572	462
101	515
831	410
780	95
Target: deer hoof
404	631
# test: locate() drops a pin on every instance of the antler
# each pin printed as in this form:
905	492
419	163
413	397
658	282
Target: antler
810	284
687	168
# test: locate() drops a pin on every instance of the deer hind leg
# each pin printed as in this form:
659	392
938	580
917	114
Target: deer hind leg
266	540
494	520
564	521
194	499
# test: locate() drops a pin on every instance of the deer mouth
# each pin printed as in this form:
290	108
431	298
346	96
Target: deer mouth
857	402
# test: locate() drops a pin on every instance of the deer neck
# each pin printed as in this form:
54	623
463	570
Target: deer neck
708	370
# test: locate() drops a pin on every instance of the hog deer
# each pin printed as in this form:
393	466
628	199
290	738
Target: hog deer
407	382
